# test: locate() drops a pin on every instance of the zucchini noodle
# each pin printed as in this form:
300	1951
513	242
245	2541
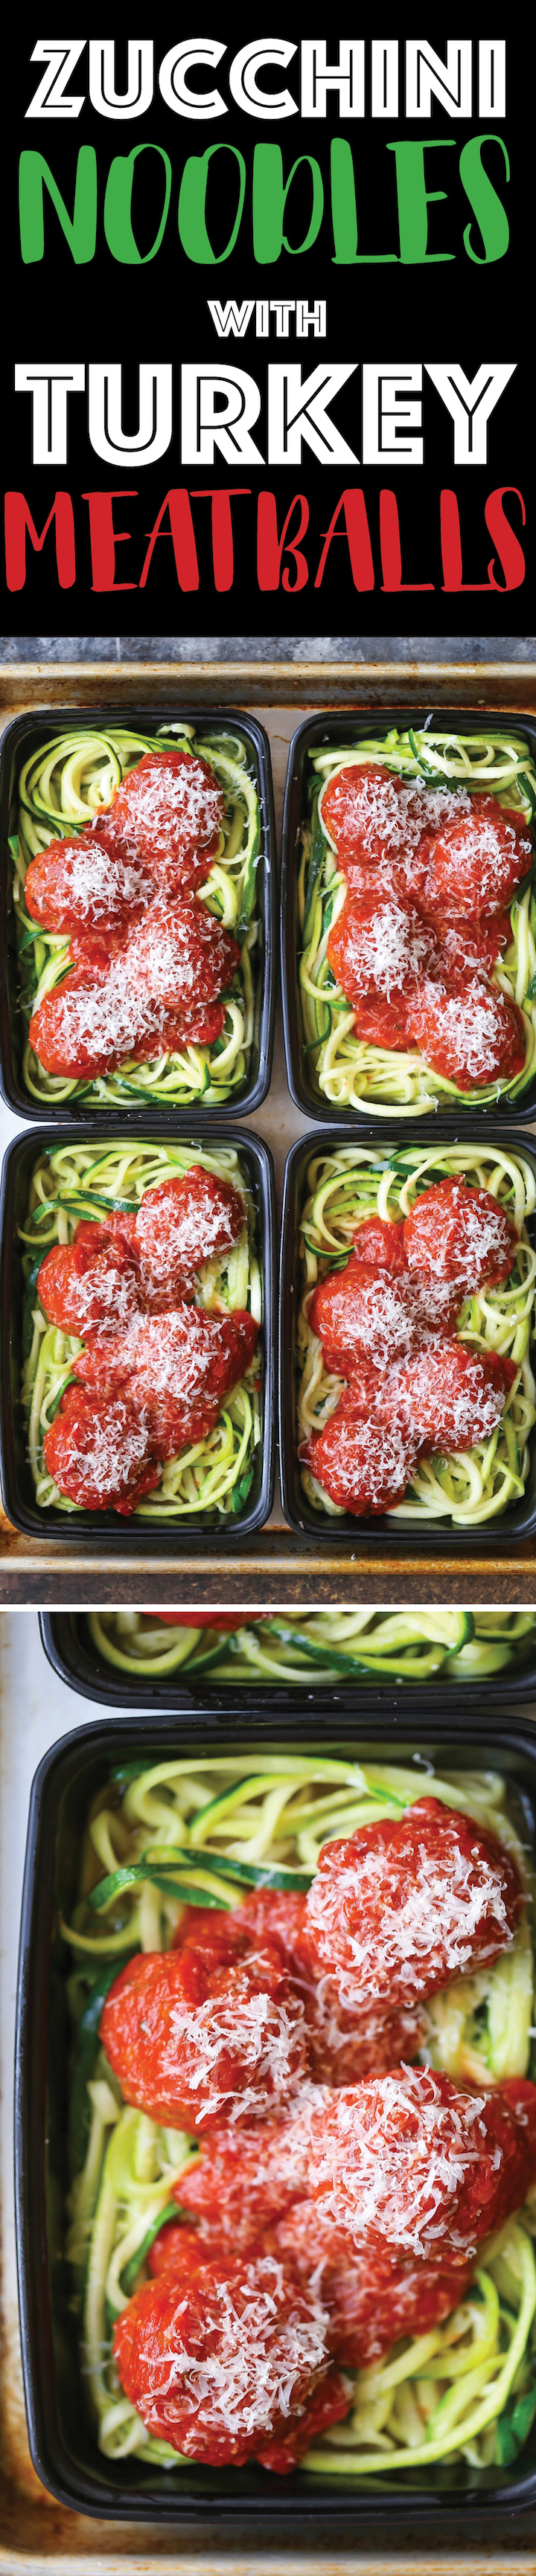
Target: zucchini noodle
214	1475
350	1073
173	1833
320	1646
475	1485
60	790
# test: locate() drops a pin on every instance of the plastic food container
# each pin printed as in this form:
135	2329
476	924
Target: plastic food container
448	2502
379	1529
71	1651
20	740
192	1532
323	730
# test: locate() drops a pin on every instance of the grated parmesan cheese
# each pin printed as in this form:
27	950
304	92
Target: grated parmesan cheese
399	1918
93	882
392	2156
176	959
167	802
441	1397
246	2362
104	1451
237	2034
381	812
473	1235
183	1222
384	953
471	1026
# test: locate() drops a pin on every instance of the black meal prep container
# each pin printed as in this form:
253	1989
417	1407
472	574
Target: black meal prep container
122	1536
69	1647
349	1530
317	731
20	739
452	2502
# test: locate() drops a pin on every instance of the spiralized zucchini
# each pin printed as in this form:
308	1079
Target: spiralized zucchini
82	1181
61	788
195	1831
351	1183
350	1073
320	1646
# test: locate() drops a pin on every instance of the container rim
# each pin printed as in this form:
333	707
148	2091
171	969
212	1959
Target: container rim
515	1683
93	1744
333	723
442	1536
188	1537
35	720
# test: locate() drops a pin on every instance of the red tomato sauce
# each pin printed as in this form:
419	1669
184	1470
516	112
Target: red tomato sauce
100	1453
411	2163
461	1233
199	1619
452	1393
378	949
380	1241
476	862
160	991
404	1906
230	2361
470	1032
386	1324
153	1363
369	813
430	876
181	1222
371	2302
368	1317
319	2223
168	808
193	2040
363	1463
148	963
80	886
91	1281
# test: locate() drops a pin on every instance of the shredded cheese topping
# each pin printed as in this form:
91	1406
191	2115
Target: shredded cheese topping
473	1234
435	1402
392	1937
169	801
108	1456
96	882
359	1456
176	1232
257	2359
472	1024
175	960
262	2035
174	1353
487	843
392	2158
380	811
385	953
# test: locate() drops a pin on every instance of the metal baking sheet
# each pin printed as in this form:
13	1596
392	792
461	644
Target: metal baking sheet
271	1569
38	2537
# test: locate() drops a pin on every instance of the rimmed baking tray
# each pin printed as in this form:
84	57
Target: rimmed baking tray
349	1531
62	2442
335	729
122	1537
281	695
21	738
70	1650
